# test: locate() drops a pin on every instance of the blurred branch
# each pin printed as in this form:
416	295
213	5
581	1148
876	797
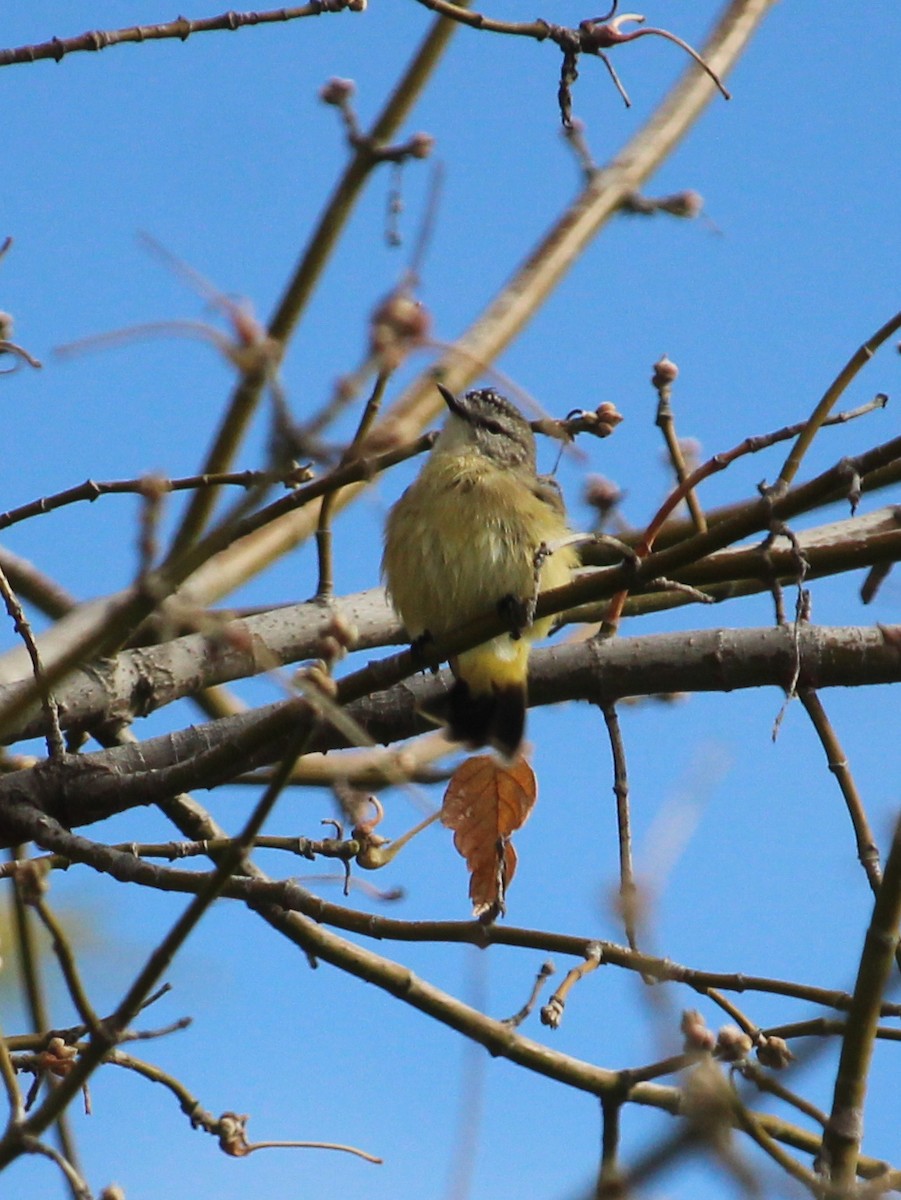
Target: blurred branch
319	247
26	957
34	586
77	1186
326	586
844	1131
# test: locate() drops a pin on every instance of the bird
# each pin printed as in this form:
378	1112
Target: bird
479	531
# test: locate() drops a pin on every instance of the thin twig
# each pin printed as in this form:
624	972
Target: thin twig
10	1084
179	29
765	1081
546	971
832	395
66	959
92	489
78	1187
628	894
733	1011
837	761
229	1129
28	961
753	1127
609	1178
665	373
325	588
825	1027
55	745
552	1012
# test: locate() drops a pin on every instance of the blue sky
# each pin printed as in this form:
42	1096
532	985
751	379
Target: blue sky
219	148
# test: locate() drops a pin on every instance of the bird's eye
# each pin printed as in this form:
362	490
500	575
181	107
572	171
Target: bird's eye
491	426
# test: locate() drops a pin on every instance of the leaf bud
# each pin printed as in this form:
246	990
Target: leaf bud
399	324
602	494
421	145
552	1013
665	373
733	1044
774	1052
696	1033
687	204
337	91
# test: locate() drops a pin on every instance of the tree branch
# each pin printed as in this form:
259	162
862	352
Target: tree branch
90	787
181	29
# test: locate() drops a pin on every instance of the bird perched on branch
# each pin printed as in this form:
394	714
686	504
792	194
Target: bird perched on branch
479	531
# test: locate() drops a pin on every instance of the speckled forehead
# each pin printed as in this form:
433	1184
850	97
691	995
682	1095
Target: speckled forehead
489	398
488	403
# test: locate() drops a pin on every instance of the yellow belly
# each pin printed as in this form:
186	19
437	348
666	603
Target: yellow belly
463	537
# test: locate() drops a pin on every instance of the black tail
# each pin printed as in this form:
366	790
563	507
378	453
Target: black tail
496	718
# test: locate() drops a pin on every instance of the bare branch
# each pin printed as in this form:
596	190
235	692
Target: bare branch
181	29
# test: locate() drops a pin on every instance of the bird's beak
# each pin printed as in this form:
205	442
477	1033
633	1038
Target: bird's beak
458	409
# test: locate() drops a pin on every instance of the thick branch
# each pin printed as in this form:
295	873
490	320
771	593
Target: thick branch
137	682
90	787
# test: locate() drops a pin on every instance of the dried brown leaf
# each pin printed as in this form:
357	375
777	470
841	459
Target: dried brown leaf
485	803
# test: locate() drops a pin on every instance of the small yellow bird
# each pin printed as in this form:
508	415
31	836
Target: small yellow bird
479	530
